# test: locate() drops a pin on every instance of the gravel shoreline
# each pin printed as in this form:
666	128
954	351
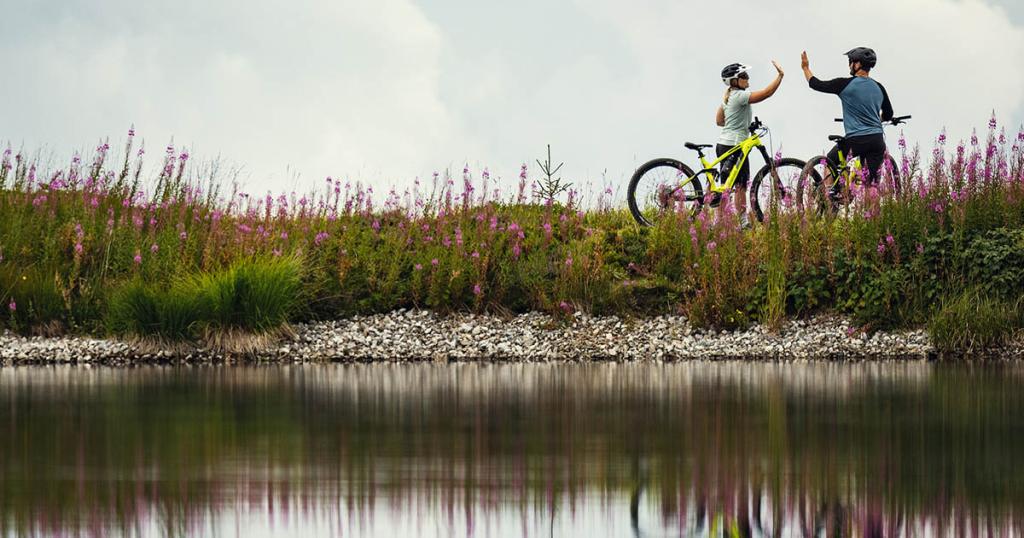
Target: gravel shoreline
425	336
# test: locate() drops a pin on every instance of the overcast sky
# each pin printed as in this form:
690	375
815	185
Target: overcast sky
386	90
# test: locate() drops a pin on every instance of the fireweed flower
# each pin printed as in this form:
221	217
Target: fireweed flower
477	290
565	306
568	261
12	306
435	262
889	239
154	248
418	267
712	246
138	258
881	247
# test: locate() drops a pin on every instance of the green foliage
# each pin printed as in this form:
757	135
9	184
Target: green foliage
143	309
974	321
177	256
38	306
256	296
995	262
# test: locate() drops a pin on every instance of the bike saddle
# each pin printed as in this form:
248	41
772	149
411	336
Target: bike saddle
836	138
696	147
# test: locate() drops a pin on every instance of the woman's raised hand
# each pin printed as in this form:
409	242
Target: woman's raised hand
778	68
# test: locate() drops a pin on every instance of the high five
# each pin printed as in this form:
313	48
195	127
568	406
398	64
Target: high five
863	98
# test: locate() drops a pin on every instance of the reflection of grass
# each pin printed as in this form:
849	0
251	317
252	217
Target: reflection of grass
199	440
889	260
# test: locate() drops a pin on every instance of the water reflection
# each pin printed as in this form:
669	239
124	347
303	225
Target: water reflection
509	450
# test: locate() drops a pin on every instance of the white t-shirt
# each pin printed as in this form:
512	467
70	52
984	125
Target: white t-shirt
737	118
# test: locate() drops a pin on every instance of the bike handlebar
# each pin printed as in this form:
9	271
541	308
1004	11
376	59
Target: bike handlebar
756	125
895	121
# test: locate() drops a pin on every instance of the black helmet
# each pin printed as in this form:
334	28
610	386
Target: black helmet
864	55
732	71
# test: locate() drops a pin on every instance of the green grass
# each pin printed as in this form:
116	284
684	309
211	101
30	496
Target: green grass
975	322
180	258
252	299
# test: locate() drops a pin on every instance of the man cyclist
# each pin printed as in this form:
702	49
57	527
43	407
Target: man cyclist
863	97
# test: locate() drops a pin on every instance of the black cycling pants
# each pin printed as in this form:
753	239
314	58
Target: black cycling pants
870	149
728	163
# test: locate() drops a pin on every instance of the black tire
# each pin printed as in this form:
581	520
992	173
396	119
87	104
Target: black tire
811	192
890	173
651	193
785	176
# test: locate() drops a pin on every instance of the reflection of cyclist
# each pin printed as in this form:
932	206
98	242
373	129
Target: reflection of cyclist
863	98
734	117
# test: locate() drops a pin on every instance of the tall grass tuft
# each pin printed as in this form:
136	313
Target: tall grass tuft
254	295
975	322
143	310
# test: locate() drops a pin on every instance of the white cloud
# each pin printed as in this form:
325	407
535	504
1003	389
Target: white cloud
390	89
338	88
947	62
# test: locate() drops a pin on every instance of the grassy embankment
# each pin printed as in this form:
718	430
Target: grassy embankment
175	260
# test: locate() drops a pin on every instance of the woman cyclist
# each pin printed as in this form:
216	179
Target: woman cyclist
734	117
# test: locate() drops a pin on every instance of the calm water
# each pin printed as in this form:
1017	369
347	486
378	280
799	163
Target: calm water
512	450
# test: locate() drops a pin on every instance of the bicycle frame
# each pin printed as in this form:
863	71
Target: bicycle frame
746	146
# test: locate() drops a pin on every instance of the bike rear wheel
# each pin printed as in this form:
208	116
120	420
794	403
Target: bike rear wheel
654	191
775	183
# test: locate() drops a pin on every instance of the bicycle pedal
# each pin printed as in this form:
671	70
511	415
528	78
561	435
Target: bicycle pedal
716	200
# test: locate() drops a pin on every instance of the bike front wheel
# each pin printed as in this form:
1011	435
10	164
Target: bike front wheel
775	183
656	190
812	194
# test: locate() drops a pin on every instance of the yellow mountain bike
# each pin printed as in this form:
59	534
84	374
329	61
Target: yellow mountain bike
665	186
823	186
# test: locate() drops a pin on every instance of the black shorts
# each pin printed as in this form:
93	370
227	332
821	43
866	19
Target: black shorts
870	149
727	164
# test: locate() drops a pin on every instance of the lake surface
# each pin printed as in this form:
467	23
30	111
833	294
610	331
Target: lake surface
511	450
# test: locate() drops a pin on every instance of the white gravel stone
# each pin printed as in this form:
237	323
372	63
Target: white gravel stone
423	335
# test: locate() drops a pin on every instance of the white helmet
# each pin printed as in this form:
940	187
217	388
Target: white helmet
732	71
